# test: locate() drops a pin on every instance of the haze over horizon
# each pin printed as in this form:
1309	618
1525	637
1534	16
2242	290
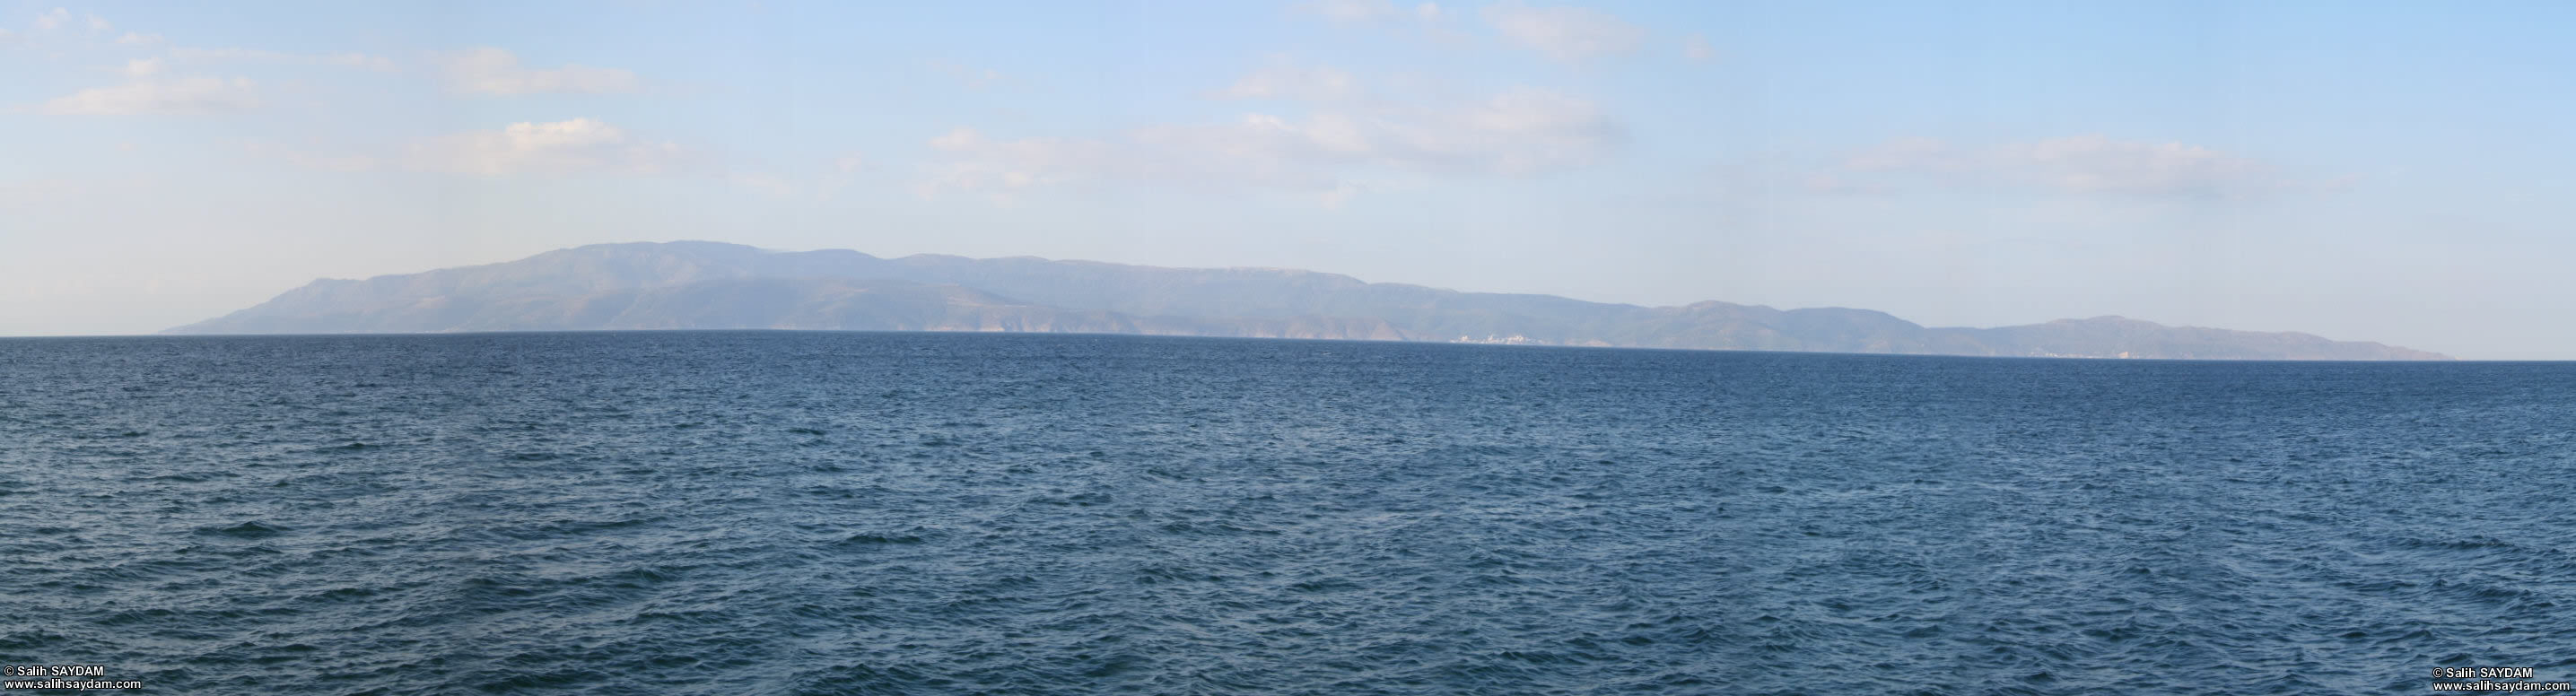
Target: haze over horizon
719	286
2390	173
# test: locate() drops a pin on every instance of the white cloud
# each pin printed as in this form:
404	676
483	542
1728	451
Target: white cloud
1336	198
202	95
1004	167
144	67
54	20
345	60
1565	33
134	39
845	168
494	71
1519	132
1696	49
559	148
767	184
972	78
579	145
1368	11
1289	82
1351	10
8	37
1830	183
99	24
2082	164
344	163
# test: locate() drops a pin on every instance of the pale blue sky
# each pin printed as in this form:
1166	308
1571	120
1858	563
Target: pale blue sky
2372	171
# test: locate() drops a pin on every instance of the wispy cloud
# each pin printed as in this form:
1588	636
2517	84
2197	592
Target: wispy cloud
345	60
844	169
146	96
59	19
1565	33
1518	132
767	184
2080	164
1695	48
1292	82
1365	11
580	145
151	90
494	71
330	162
568	148
54	20
971	77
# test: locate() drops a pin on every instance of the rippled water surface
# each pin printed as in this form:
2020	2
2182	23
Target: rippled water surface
853	513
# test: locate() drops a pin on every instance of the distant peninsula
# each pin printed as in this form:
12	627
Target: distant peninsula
709	285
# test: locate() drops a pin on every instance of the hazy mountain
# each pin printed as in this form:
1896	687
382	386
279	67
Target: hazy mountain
706	285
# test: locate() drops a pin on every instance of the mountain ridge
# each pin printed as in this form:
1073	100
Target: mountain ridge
710	285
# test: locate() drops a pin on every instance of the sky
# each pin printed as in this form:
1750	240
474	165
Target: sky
2383	171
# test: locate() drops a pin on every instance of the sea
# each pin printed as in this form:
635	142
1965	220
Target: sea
926	513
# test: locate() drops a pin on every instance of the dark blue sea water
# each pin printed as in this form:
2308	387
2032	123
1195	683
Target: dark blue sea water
857	513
